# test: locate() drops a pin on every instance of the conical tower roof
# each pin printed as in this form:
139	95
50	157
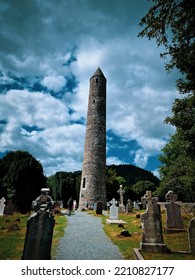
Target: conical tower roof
98	73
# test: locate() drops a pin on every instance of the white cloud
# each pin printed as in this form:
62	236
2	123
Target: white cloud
36	41
55	83
57	138
141	158
113	160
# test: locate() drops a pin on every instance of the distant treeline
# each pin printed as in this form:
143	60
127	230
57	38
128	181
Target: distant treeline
22	177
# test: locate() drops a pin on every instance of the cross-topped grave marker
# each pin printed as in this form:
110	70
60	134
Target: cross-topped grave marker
113	210
152	238
39	231
121	205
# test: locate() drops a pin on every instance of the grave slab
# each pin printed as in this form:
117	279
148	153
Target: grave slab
115	221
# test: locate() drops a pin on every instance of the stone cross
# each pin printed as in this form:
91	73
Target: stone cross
39	231
113	210
152	237
170	196
148	198
121	192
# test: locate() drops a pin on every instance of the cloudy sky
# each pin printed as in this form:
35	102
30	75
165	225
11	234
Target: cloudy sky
48	52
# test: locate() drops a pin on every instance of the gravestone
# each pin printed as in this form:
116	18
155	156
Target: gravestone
99	208
113	217
136	205
191	236
129	206
152	238
39	231
121	207
113	210
2	206
144	202
174	220
9	208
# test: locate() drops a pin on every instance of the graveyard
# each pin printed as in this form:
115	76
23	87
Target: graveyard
12	235
13	230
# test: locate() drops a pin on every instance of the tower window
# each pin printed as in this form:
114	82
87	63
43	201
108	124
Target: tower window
96	80
84	179
93	101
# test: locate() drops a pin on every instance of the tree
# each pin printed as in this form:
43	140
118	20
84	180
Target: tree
171	23
184	120
177	172
112	183
64	185
23	179
141	187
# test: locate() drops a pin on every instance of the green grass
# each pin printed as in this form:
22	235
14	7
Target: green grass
60	224
12	242
174	241
125	244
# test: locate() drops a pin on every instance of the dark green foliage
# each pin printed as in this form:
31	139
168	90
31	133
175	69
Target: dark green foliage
184	120
171	23
177	172
141	187
131	175
65	185
112	184
22	178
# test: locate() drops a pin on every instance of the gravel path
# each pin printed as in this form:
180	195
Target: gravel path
84	239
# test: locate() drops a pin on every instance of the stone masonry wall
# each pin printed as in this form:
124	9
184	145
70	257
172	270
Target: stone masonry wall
94	164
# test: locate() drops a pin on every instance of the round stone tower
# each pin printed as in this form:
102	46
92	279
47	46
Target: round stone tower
93	177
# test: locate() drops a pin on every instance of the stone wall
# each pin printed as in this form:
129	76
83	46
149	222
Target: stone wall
186	208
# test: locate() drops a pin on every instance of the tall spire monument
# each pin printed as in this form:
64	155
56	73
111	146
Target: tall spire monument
93	187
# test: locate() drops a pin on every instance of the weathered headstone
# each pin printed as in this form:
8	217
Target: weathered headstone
113	210
2	206
129	206
191	236
113	217
39	232
9	208
121	207
174	220
99	208
136	205
144	202
152	238
95	206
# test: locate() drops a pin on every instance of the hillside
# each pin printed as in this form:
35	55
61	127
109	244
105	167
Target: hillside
133	174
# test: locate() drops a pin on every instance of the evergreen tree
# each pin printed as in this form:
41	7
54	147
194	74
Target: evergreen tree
177	170
171	23
23	179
